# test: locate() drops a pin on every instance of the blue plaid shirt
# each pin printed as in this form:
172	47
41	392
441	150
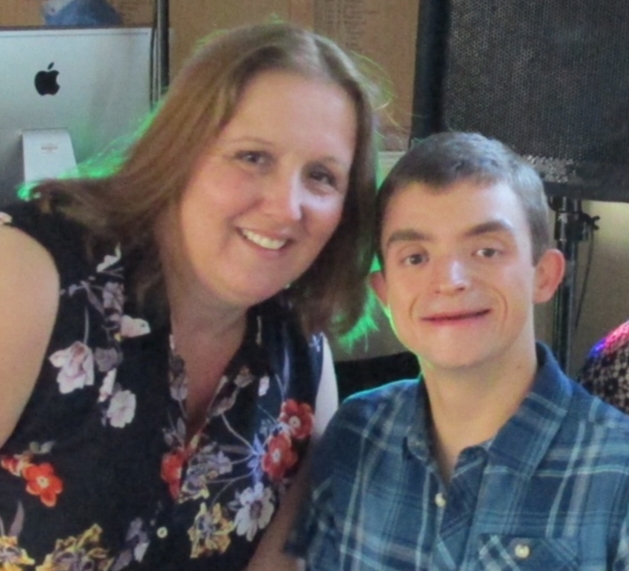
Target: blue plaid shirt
549	492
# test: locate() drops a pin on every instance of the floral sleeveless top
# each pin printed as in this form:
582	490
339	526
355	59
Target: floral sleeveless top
98	475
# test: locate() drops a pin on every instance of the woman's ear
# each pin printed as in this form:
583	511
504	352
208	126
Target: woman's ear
549	272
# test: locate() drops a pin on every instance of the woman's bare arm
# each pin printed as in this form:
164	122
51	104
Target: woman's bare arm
29	295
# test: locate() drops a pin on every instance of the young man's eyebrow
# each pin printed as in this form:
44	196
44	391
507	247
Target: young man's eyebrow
414	235
490	227
407	235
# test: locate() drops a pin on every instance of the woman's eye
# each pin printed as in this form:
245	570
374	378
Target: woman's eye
253	157
323	176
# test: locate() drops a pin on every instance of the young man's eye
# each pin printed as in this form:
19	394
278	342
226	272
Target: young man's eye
414	259
487	252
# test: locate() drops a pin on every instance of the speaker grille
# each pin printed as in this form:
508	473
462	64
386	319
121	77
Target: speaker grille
549	77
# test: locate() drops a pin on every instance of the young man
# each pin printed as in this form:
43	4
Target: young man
493	459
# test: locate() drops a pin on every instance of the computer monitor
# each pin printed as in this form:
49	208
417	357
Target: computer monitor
86	86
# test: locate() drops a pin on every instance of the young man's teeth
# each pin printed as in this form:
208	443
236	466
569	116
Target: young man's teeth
263	241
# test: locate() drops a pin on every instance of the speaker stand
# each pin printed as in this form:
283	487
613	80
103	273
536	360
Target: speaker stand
161	50
571	228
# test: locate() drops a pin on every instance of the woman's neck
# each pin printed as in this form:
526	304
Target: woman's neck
206	338
194	309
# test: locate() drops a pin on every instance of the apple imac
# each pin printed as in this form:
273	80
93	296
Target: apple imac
65	95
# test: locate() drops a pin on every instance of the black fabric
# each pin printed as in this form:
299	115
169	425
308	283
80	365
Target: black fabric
98	472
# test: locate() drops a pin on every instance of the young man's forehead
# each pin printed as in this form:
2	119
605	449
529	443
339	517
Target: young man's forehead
499	226
412	218
471	183
465	186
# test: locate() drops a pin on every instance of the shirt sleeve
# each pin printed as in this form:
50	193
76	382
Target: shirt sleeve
621	559
315	537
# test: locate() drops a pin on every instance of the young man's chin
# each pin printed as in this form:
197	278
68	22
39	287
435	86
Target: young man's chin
459	358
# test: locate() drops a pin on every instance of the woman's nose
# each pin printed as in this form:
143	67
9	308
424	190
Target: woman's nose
283	197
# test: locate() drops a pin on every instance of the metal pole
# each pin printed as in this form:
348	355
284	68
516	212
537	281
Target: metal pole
162	48
567	235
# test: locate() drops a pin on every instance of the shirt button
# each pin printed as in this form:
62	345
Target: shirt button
162	532
440	500
522	551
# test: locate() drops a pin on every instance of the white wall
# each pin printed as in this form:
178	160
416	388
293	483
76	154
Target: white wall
606	303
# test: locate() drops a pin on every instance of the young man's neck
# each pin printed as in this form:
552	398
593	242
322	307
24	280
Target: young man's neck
470	406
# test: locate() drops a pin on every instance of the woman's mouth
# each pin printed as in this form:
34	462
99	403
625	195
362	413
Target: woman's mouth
263	241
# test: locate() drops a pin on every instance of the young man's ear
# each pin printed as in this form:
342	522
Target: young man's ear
548	274
379	286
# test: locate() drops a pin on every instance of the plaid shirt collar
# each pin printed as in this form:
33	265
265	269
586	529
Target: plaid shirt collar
523	441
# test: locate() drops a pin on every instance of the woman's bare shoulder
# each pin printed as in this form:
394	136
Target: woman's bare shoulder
29	293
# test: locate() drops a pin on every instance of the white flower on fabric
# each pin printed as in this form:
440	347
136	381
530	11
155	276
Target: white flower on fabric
106	359
107	388
130	327
113	296
259	333
109	261
244	378
5	218
140	549
256	511
179	388
121	409
77	367
263	387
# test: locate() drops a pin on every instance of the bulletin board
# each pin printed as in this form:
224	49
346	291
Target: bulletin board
384	31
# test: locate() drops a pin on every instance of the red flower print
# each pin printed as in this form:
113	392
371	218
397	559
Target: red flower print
279	457
298	418
15	464
172	465
42	482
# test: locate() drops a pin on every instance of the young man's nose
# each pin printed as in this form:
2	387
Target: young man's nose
450	275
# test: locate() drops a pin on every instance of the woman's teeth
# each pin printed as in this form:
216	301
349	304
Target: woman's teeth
263	241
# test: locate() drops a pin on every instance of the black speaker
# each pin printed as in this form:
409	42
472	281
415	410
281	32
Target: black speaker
362	374
550	78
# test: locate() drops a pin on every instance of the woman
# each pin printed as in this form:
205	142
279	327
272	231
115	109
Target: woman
161	352
605	372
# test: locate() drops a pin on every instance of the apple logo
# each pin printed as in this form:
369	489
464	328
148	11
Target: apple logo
46	81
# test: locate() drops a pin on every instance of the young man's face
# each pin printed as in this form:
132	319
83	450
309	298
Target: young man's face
459	280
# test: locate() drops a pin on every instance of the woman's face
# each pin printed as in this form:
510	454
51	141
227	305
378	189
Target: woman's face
268	194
